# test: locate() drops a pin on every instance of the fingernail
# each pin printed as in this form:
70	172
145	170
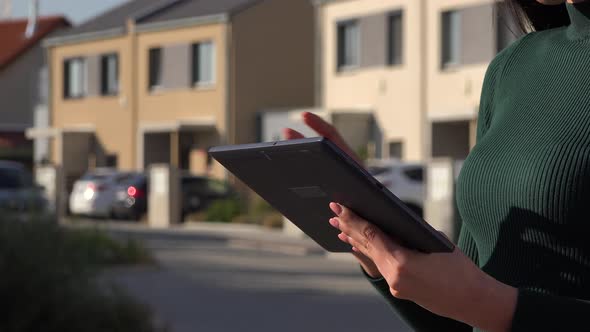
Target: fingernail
334	222
336	208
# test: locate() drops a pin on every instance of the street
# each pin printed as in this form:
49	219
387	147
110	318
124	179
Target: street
208	283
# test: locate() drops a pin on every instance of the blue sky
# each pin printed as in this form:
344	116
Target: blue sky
75	10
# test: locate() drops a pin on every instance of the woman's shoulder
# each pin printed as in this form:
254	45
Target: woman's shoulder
504	55
532	41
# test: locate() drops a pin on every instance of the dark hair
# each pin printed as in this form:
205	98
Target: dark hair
530	15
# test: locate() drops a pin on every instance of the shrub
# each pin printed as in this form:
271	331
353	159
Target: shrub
48	281
100	249
273	220
260	212
224	210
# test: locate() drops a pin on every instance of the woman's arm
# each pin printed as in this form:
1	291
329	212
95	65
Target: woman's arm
415	316
447	284
542	312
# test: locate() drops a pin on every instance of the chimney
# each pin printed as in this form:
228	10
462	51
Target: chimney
33	13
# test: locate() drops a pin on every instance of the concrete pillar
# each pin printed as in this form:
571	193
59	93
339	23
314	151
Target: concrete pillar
198	161
175	149
439	206
164	197
51	179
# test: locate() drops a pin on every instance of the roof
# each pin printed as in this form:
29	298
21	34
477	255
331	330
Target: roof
113	18
154	11
13	40
196	8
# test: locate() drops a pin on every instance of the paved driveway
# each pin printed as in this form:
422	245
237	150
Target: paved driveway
209	284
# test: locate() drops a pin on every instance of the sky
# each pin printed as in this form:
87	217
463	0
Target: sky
76	11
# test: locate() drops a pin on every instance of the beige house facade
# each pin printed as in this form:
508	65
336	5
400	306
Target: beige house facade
416	66
154	82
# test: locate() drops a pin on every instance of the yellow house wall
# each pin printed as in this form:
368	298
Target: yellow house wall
391	93
191	102
111	115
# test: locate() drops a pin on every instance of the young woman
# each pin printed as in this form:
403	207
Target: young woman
523	257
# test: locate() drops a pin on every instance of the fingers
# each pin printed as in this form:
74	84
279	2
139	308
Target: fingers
320	126
364	236
359	230
289	133
325	129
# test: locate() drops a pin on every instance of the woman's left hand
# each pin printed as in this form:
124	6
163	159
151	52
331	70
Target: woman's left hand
447	284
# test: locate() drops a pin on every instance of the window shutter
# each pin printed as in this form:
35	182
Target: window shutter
478	37
176	63
373	40
93	75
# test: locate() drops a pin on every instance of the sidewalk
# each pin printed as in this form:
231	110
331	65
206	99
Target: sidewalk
239	236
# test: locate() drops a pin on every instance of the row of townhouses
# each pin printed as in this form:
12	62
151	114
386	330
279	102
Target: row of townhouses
155	81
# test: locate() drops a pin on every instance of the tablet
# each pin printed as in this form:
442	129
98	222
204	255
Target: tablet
301	177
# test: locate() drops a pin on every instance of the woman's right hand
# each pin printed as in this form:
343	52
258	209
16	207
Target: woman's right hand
328	131
323	129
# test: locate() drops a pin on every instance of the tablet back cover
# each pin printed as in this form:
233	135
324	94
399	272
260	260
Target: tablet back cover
301	177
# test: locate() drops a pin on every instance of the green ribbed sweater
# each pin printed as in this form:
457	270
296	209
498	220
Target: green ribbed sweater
524	191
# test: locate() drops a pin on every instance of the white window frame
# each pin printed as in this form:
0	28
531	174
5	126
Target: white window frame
348	66
213	68
83	79
454	39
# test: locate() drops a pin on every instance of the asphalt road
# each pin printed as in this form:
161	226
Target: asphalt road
207	284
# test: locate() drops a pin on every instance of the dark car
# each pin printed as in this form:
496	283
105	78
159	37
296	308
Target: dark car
20	197
130	200
198	192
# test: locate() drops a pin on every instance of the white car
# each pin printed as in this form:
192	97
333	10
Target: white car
94	193
405	180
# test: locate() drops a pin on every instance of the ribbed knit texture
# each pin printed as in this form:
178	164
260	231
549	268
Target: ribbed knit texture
524	191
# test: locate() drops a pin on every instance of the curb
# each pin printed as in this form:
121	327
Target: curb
236	236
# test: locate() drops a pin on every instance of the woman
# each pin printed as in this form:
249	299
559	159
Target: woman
523	257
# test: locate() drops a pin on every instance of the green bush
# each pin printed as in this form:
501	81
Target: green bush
224	210
100	249
259	212
48	281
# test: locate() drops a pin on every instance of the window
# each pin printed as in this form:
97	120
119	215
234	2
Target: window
155	68
109	74
395	150
451	38
394	39
75	83
348	44
203	63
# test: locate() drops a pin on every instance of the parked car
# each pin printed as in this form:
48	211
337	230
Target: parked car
198	192
131	196
93	194
405	180
20	197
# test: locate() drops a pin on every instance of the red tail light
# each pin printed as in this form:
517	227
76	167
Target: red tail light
134	192
131	191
